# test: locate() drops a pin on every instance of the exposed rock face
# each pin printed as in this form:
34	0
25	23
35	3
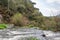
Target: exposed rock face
1	14
1	18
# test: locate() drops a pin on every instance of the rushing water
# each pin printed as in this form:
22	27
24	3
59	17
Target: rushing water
24	33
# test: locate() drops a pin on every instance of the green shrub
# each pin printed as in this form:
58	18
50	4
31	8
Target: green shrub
17	19
30	26
33	38
2	26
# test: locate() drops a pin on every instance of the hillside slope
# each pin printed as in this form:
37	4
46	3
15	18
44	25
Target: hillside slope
22	13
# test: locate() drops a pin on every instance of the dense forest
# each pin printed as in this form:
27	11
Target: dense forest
22	13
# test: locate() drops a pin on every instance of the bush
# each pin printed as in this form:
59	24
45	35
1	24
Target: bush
33	38
2	26
19	20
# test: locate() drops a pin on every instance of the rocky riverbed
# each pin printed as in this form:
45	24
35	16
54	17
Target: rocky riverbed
23	33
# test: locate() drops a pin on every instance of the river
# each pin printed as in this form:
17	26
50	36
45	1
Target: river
23	33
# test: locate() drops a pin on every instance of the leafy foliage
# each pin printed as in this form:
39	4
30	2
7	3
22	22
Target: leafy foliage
33	38
2	26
